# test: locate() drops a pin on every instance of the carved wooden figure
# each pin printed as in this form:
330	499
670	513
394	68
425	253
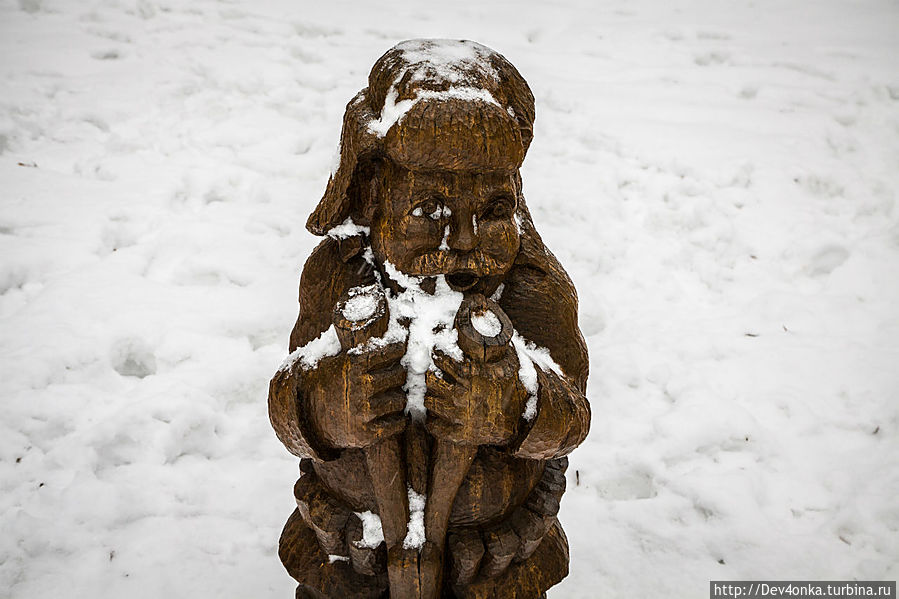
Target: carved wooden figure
437	375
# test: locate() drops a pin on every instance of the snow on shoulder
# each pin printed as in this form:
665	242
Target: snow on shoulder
531	356
325	345
438	61
347	229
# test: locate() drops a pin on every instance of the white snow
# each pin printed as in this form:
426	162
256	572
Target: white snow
434	60
517	219
348	229
530	356
431	327
309	355
705	171
372	533
445	58
360	307
415	529
486	323
391	112
441	211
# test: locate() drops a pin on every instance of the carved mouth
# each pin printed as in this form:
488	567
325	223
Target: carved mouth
462	281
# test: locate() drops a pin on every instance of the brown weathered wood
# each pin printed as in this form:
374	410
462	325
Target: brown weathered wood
324	514
467	551
501	544
530	528
435	194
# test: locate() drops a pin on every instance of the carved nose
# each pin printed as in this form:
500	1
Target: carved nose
462	236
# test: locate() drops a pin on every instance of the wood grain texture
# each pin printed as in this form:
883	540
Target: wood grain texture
439	195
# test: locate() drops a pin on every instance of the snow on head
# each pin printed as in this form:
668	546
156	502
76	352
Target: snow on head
447	64
445	59
391	112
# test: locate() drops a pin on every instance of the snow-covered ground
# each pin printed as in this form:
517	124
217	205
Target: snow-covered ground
719	178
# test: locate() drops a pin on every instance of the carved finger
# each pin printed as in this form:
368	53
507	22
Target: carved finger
530	528
544	499
501	545
365	560
325	515
452	369
387	403
466	551
386	378
384	356
386	426
441	407
442	428
438	385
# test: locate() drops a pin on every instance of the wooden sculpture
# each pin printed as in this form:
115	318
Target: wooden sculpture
437	374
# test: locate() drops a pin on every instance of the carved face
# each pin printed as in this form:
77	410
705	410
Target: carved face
458	223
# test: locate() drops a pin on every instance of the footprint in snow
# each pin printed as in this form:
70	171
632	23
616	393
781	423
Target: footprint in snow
132	357
749	92
627	485
711	58
712	35
826	260
106	55
820	186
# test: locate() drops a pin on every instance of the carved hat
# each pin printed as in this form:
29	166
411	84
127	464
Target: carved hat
441	104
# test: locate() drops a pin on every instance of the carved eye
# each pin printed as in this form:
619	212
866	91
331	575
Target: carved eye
500	207
432	208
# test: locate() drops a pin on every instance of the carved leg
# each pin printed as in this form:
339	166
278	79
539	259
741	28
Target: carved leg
384	460
451	463
319	576
528	579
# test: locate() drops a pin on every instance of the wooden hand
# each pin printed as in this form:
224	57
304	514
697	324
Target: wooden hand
475	402
355	400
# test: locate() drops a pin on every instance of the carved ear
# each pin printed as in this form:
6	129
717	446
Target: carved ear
364	192
373	203
356	142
